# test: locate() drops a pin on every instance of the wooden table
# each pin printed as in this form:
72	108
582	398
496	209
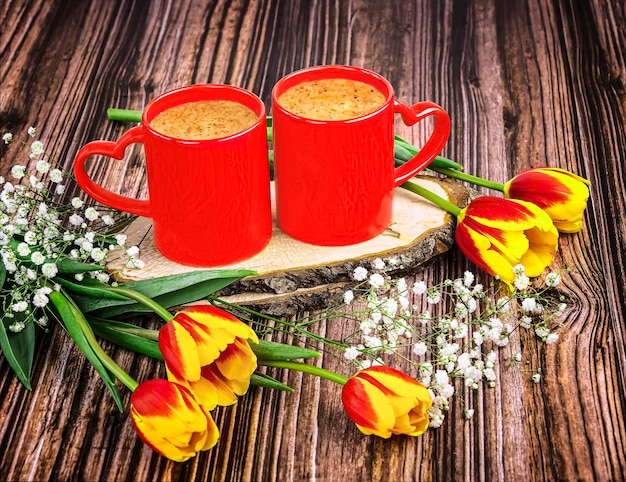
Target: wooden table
526	83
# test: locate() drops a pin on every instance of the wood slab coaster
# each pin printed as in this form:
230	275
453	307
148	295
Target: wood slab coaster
294	276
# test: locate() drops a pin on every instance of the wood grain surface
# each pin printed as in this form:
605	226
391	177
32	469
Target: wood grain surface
526	83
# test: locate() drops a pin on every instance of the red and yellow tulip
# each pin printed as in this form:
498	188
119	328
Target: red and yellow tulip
562	194
206	349
168	418
382	401
497	234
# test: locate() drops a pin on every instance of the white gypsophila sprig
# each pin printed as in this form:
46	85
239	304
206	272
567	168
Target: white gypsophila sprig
452	331
39	230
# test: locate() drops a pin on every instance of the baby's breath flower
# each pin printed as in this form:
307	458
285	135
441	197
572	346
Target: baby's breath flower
552	338
419	288
360	274
32	131
377	280
348	296
7	137
529	304
37	258
17	326
553	280
378	264
91	214
56	175
20	306
433	297
351	353
36	148
49	270
120	238
536	378
97	254
18	172
77	202
23	249
76	219
42	166
521	282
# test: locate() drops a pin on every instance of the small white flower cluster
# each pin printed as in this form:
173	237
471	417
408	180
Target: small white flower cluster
38	233
448	332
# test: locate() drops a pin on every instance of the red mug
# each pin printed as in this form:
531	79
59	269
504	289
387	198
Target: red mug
334	179
209	199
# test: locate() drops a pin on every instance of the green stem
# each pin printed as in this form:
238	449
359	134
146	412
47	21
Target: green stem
432	197
143	299
304	368
106	360
297	329
124	115
462	176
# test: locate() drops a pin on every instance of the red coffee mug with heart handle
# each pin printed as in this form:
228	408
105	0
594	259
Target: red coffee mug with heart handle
209	199
335	178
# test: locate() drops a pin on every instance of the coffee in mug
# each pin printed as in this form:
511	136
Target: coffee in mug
204	119
332	99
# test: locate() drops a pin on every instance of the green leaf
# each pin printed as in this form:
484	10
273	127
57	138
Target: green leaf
18	349
125	335
87	287
271	351
69	315
265	381
168	291
3	275
70	266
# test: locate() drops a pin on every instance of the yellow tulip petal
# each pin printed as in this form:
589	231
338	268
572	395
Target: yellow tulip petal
237	361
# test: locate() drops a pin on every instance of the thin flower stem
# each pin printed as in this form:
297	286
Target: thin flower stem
462	176
310	369
296	329
432	197
143	299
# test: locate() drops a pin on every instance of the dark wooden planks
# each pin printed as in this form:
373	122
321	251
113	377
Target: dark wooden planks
526	83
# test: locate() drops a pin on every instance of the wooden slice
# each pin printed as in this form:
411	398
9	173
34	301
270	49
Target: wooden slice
294	275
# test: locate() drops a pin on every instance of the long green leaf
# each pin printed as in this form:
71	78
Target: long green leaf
271	351
168	291
68	314
265	381
18	349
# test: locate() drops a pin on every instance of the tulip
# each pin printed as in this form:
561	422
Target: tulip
206	350
382	401
560	193
169	419
498	234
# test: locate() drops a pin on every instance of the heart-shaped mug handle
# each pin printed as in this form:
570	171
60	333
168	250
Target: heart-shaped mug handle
114	150
441	131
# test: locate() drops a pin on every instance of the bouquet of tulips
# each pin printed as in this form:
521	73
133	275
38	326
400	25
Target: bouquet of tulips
54	266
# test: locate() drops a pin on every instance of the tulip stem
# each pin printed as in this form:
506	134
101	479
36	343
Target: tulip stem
432	197
310	369
124	115
463	176
106	360
144	300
